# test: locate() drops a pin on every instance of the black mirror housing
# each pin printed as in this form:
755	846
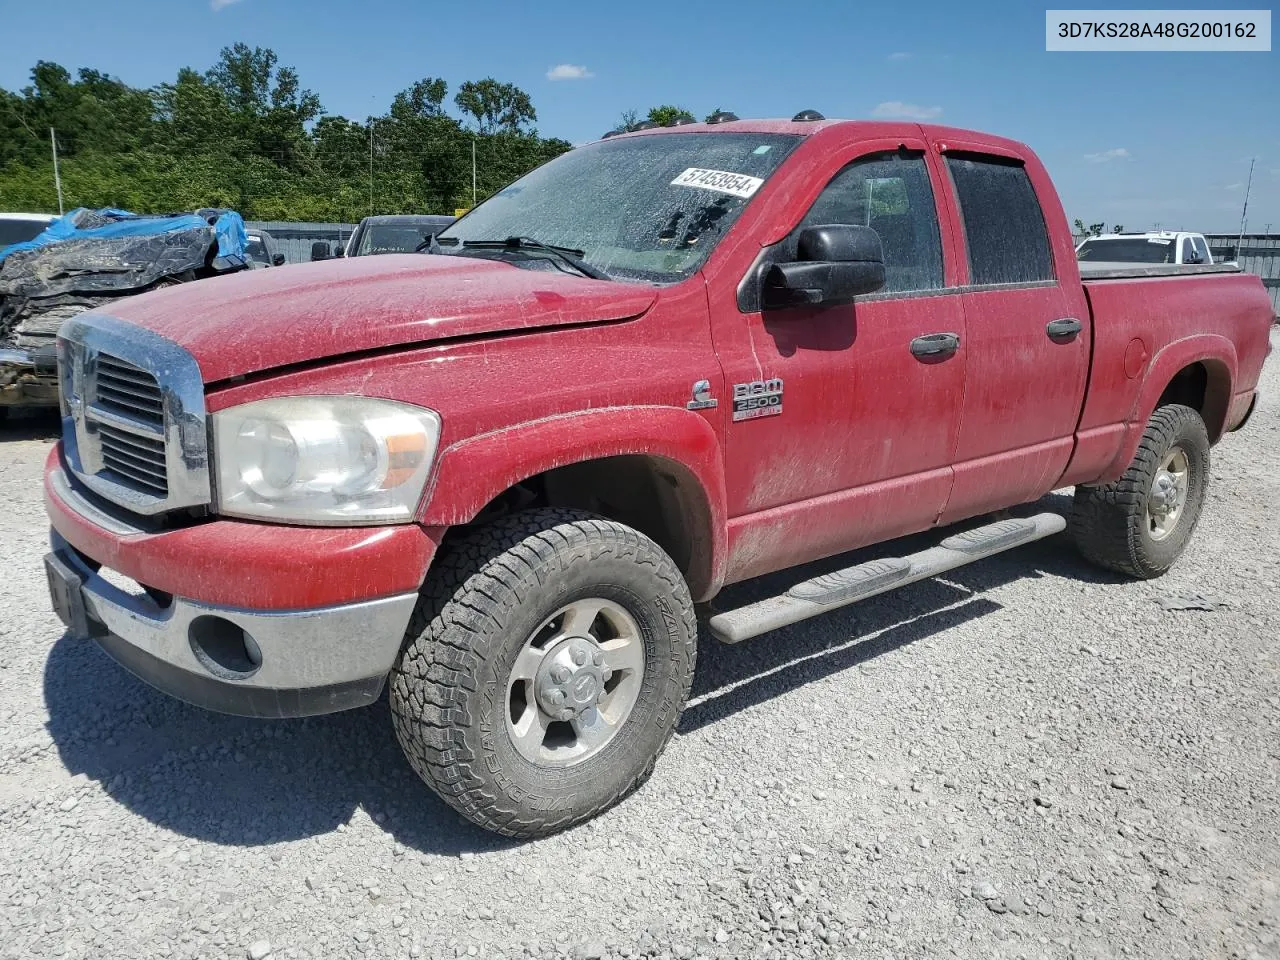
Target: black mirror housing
337	251
278	260
835	263
319	250
839	243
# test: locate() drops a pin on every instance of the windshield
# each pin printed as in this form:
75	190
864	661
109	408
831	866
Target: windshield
1129	250
393	237
19	231
257	250
648	208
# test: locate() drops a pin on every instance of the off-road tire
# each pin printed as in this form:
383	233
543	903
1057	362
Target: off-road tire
487	593
1108	522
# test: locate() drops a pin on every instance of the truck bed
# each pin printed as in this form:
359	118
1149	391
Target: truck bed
1106	270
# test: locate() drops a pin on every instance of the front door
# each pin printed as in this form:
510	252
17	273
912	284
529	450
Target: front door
846	416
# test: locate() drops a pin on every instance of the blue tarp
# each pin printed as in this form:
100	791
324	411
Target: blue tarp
228	228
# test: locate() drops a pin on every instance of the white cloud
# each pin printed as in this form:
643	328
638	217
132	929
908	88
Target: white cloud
906	111
1234	186
1106	156
566	71
899	56
216	5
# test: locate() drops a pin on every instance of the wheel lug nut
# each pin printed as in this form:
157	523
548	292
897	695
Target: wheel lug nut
579	656
606	675
565	714
560	674
556	697
598	659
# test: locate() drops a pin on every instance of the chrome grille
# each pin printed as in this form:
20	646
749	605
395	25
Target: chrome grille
134	423
133	458
123	388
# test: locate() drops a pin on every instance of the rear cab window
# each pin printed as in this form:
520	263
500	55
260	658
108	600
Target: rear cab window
1128	250
14	230
1004	227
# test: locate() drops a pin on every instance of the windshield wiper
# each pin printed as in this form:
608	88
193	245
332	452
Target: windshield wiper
571	256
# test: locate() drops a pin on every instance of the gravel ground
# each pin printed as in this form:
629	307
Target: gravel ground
1028	759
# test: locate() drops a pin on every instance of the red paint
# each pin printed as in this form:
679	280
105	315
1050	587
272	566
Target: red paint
1135	358
871	444
257	319
261	566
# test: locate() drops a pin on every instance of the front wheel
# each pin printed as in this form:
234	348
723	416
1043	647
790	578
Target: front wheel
545	670
1140	524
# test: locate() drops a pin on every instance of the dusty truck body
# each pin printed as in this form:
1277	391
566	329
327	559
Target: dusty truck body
501	476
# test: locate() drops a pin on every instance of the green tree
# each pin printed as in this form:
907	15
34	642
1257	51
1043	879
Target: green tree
1092	230
668	114
269	105
495	106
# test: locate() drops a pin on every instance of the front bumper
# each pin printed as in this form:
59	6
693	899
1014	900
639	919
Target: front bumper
260	663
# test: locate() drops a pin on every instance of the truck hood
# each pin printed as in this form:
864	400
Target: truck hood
261	319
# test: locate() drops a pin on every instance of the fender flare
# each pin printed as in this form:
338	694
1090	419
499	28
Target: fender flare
1217	353
472	472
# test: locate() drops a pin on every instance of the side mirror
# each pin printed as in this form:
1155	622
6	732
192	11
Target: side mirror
319	250
337	251
278	260
834	264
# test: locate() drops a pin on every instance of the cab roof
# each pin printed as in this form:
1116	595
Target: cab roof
868	129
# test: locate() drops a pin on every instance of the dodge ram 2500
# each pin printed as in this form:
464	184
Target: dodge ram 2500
499	475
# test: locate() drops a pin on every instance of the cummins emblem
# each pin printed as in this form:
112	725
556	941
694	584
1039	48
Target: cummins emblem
702	399
759	398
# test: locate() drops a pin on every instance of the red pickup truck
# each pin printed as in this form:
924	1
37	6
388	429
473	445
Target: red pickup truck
501	473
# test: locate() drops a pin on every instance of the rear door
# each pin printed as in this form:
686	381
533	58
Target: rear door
1028	332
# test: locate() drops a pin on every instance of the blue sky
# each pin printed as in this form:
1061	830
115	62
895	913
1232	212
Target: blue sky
1133	138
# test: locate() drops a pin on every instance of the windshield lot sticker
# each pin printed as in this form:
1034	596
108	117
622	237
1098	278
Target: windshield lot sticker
1158	240
760	398
721	181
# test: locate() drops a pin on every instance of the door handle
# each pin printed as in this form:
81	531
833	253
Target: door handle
1064	330
935	346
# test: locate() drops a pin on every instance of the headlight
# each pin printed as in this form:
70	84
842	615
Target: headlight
323	460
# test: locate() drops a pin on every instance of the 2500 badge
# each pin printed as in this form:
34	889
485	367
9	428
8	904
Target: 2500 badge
760	398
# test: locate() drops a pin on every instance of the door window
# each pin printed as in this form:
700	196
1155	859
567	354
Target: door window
891	194
1004	226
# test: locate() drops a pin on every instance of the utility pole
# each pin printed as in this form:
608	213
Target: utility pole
371	166
1244	211
57	177
473	171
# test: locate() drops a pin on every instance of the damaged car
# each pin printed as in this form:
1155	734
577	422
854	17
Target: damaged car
87	259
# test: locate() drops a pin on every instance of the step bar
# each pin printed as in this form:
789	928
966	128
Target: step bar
830	591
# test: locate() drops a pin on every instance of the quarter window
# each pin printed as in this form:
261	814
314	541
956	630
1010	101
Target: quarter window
891	194
1004	226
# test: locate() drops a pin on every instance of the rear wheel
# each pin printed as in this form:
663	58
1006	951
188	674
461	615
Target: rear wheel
546	667
1140	524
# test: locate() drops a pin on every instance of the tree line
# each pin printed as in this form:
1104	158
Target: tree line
1093	229
246	134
